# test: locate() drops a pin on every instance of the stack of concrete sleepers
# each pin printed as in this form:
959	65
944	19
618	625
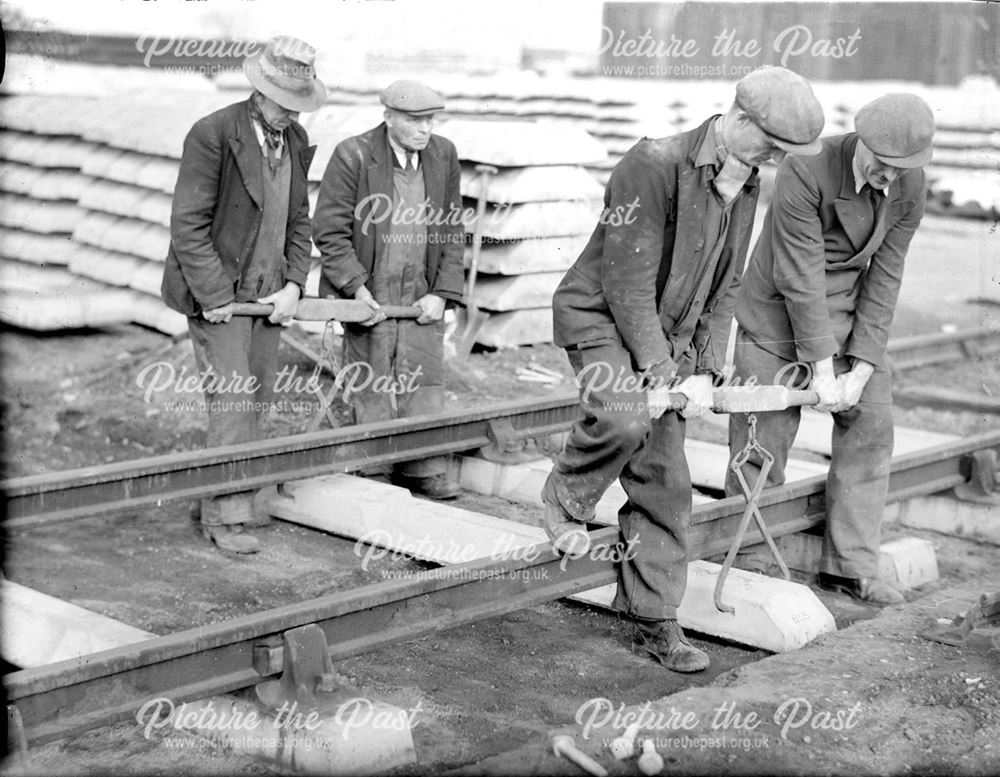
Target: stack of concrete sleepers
541	205
540	208
41	179
86	172
125	232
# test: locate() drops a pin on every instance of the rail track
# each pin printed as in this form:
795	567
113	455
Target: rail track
70	697
73	696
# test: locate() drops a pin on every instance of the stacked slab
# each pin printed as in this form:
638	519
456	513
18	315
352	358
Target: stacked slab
88	163
617	112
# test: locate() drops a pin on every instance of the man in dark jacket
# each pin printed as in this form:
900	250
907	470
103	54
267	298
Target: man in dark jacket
388	225
239	232
815	310
647	308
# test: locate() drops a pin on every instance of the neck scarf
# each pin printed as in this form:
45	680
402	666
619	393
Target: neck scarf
734	173
273	138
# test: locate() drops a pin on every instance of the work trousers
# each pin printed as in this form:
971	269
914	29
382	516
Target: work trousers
861	450
395	369
228	355
617	439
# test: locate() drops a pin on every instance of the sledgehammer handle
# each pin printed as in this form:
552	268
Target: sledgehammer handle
760	399
751	399
265	309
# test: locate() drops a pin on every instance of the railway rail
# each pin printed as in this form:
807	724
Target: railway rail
73	696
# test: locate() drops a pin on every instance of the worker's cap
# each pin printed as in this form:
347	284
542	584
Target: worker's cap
898	128
411	97
783	105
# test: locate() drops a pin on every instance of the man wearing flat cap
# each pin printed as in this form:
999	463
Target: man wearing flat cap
814	311
388	228
239	232
646	309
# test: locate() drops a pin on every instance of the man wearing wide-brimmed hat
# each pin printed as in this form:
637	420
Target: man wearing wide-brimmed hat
647	308
388	226
239	232
815	308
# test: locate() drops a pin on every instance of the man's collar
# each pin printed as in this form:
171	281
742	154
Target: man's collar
401	152
712	150
859	178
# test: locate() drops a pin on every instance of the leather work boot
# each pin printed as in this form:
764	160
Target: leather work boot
439	486
260	515
568	537
665	641
870	590
231	537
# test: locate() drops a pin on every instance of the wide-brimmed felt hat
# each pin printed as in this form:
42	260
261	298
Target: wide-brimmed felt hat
898	128
411	97
783	105
285	71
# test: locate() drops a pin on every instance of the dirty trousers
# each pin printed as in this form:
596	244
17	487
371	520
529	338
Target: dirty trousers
245	347
859	467
395	369
617	439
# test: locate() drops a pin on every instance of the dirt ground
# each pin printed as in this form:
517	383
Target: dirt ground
487	693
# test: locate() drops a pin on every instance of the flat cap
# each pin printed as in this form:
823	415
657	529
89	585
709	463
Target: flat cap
411	97
898	128
782	104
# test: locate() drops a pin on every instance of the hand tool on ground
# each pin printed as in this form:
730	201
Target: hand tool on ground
623	747
564	747
650	762
317	309
981	620
470	319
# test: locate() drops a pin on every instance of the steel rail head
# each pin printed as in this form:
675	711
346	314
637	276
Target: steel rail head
73	696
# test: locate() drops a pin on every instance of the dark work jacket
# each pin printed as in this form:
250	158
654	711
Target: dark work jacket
823	279
217	209
352	216
635	283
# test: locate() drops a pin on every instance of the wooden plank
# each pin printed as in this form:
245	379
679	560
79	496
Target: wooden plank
108	267
539	219
39	629
159	173
100	160
60	185
37	249
17	178
551	254
946	399
151	312
521	143
93	226
516	292
148	277
520	327
816	431
43	216
64	309
709	463
390	517
532	184
523	483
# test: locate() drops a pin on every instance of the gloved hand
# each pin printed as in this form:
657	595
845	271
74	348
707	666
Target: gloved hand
853	382
826	386
698	390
